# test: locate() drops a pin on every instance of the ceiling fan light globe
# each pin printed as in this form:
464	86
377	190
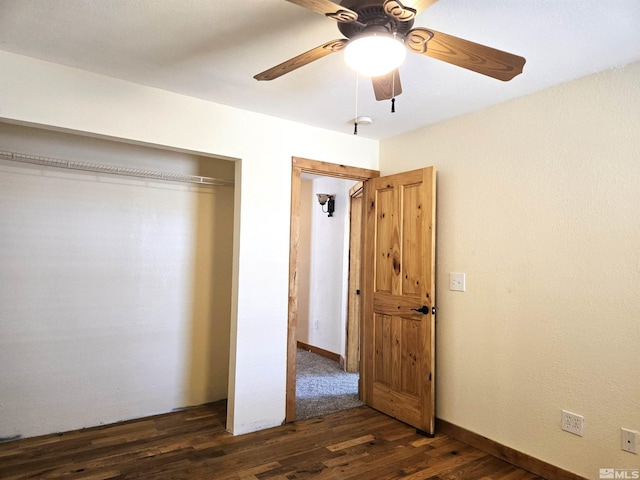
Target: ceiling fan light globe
375	55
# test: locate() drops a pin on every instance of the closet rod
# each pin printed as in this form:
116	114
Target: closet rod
131	172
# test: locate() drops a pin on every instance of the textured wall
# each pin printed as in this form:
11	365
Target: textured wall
539	204
323	265
329	267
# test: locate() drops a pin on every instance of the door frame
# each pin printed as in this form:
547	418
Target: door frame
299	166
354	297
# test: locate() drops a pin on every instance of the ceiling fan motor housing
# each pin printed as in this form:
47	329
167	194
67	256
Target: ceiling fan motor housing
372	18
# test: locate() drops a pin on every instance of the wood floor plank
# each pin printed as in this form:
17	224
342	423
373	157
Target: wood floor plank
358	444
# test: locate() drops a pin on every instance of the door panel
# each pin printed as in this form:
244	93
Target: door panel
398	338
412	240
388	240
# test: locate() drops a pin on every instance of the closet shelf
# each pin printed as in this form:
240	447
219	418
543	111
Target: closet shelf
114	170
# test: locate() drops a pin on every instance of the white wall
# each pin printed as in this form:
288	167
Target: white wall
115	293
42	93
322	301
539	204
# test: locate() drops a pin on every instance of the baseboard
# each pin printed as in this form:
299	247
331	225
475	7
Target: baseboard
519	459
320	351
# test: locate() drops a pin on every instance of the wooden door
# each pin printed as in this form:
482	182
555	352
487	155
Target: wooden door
398	329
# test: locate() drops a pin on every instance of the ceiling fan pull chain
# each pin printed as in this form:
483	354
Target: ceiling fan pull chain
355	119
393	92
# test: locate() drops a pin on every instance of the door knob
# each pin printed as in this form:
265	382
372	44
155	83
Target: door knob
423	310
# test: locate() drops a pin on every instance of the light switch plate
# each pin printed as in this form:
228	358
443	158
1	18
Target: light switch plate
457	282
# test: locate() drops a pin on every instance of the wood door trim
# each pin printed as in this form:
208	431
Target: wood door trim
299	166
357	190
333	169
354	299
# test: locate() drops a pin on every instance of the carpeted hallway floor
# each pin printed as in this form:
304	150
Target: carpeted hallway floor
322	386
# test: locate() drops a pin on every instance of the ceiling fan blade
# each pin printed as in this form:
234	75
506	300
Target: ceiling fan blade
399	11
302	59
387	86
463	53
419	5
326	7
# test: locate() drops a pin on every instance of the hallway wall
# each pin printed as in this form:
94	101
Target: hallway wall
324	265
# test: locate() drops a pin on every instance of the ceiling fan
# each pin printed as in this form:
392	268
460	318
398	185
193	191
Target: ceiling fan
387	25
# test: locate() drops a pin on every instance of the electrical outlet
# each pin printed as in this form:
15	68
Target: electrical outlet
629	440
572	423
457	282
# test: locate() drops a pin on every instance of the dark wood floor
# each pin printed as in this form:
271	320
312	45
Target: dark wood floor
192	444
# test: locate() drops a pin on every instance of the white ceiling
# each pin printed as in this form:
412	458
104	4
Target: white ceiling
211	49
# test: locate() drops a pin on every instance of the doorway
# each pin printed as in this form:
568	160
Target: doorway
302	166
323	384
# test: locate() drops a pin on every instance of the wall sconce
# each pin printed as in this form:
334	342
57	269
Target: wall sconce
329	200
